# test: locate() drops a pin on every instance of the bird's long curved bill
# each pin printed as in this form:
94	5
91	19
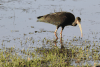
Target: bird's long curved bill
80	28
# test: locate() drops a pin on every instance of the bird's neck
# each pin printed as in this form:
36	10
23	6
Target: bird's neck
74	23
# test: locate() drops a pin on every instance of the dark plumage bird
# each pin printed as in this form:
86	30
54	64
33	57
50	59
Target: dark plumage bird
61	19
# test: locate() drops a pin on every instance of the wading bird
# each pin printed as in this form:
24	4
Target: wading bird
61	19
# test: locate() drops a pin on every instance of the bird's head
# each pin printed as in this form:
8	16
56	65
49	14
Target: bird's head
75	22
78	21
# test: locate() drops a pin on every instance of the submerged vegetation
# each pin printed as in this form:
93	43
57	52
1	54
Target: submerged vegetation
68	55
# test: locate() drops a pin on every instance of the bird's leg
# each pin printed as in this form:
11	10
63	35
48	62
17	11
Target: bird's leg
61	34
56	32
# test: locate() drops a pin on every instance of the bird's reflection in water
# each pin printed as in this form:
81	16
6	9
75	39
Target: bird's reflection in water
61	41
60	52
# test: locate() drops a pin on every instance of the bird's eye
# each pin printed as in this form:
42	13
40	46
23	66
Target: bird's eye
79	19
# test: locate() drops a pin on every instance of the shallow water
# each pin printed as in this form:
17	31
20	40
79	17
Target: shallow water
19	26
18	17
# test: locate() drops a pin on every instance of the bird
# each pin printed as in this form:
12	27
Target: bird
61	19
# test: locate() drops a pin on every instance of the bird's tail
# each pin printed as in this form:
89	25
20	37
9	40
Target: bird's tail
39	17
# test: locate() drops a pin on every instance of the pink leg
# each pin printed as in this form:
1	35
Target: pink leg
56	34
61	34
